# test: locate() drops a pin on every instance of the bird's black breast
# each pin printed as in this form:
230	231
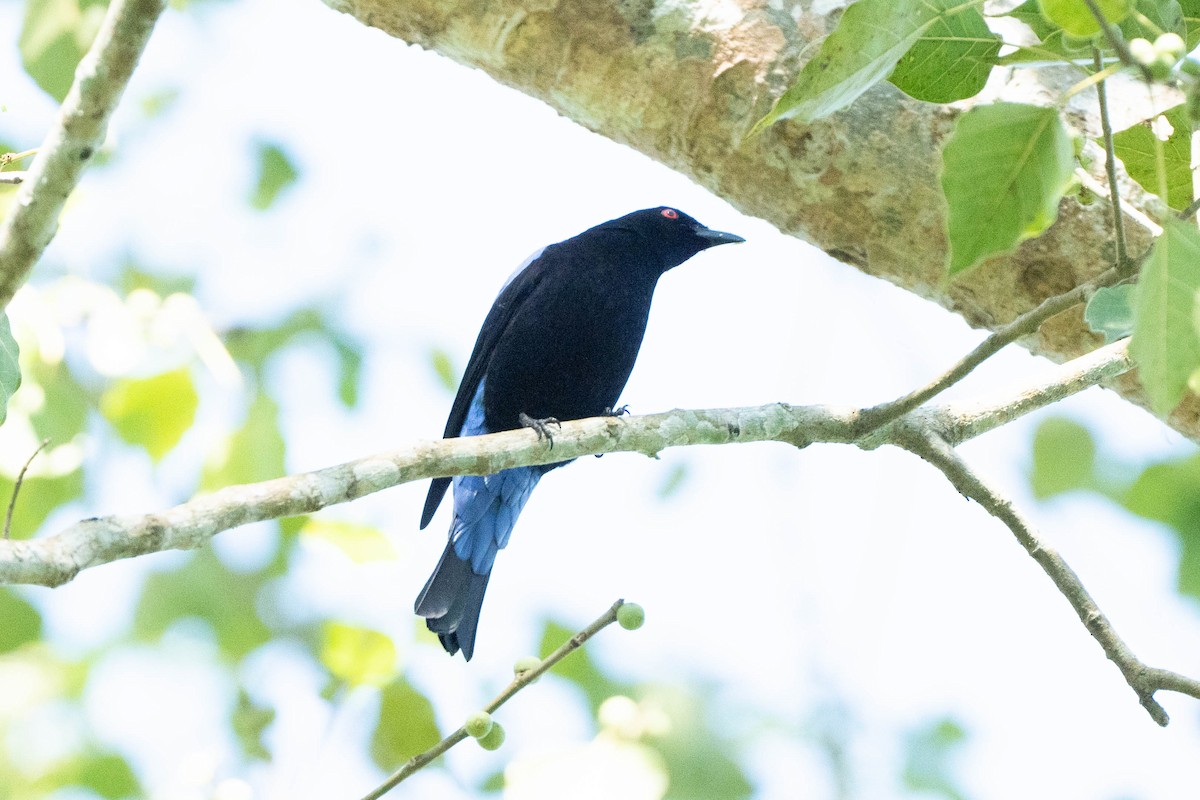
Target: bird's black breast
570	347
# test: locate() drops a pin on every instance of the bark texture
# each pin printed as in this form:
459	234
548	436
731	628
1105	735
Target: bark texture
684	80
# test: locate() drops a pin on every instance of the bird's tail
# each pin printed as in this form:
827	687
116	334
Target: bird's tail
451	600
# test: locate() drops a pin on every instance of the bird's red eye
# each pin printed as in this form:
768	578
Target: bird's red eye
670	213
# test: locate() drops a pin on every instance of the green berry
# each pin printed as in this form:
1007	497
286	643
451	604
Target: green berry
1171	44
1143	51
526	664
631	616
493	739
479	724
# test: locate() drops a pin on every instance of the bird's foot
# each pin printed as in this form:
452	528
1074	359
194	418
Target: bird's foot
619	411
540	426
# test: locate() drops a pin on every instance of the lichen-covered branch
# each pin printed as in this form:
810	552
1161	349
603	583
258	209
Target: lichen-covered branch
57	559
76	135
684	80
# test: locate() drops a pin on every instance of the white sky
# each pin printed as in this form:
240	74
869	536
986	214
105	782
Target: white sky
793	580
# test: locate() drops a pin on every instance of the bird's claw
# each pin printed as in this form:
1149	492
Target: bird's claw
540	426
619	411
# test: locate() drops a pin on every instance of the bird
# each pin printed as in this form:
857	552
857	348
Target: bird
558	344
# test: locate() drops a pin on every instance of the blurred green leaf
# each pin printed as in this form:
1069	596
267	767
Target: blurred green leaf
204	588
697	758
152	412
1162	15
1191	22
157	103
109	776
951	61
1165	344
249	722
443	367
675	479
930	754
1064	458
1075	18
1110	312
133	277
349	370
54	37
20	622
1006	167
276	172
10	367
405	728
40	495
579	668
254	453
493	783
1169	492
360	543
64	412
357	656
1137	146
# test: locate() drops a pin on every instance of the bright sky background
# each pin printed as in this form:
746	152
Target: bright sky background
858	583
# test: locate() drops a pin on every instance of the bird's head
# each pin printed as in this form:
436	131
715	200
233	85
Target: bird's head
673	234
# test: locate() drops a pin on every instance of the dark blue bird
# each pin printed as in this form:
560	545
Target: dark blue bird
558	344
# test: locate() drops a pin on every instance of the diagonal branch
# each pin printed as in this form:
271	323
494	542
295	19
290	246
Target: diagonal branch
76	135
1143	679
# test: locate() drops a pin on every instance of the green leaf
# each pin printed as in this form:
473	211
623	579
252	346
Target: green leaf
276	172
349	370
928	761
1170	492
204	588
675	479
1005	168
1191	22
1075	18
1165	345
951	61
63	414
1064	458
1054	43
254	453
406	726
20	622
1137	148
109	776
697	758
1030	12
1110	312
360	543
10	368
152	412
870	39
357	656
249	722
54	38
1163	16
443	367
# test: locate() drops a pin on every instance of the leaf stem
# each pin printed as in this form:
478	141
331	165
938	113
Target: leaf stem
1124	266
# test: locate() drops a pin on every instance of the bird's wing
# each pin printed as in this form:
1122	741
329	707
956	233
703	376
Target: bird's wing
512	295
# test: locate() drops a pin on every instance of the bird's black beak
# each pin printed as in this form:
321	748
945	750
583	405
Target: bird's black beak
713	238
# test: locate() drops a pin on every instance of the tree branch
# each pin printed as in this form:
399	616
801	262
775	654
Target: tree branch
56	559
522	680
76	135
1144	680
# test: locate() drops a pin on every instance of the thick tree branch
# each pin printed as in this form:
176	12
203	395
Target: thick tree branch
1144	680
76	135
56	559
863	185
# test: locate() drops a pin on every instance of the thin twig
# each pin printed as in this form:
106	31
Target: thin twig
1190	211
1144	680
74	138
874	418
13	178
12	501
8	158
1117	42
1110	168
522	680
